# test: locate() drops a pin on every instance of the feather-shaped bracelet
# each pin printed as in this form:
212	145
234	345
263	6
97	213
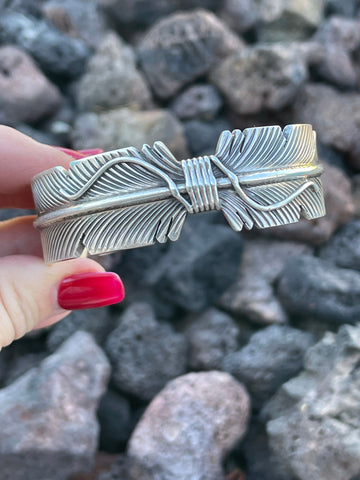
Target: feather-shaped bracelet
128	198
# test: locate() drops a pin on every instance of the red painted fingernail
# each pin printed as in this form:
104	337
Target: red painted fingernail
90	290
70	152
91	151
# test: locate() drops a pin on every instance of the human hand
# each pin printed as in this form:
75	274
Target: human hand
32	294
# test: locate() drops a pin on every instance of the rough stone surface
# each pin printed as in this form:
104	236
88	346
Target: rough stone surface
261	77
47	416
211	337
314	428
55	52
339	7
189	427
203	136
112	79
199	101
313	287
123	127
343	249
240	15
144	354
26	95
183	47
339	209
253	295
272	356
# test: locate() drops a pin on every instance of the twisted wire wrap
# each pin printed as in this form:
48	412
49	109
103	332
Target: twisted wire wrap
200	184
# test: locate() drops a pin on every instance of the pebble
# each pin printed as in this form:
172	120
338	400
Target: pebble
112	79
182	47
343	249
252	295
325	292
211	336
261	77
189	427
201	101
144	354
202	136
123	127
240	15
54	51
272	356
314	419
47	416
26	95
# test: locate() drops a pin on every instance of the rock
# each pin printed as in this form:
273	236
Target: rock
189	427
272	356
20	364
47	416
317	434
252	295
197	269
55	52
311	287
182	47
123	127
261	77
26	95
335	116
343	249
144	354
211	337
240	15
339	209
286	20
345	9
97	321
112	79
114	434
202	136
198	101
119	470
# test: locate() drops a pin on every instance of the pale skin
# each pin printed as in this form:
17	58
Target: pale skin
28	287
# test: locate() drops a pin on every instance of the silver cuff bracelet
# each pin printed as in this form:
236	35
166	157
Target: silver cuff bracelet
127	198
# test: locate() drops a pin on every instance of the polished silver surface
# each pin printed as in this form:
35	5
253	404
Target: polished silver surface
128	198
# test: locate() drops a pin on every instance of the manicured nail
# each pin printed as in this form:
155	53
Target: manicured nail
91	151
90	290
70	152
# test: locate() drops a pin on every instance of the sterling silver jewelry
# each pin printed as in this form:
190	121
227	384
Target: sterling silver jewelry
130	198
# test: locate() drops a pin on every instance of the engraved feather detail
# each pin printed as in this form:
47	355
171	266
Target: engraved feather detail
129	198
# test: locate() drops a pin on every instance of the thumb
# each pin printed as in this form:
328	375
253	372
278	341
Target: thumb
33	294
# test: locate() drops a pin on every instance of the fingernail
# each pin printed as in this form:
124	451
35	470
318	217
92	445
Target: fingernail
90	290
91	151
70	152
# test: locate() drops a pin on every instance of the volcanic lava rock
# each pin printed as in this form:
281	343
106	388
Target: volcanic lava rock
343	249
198	101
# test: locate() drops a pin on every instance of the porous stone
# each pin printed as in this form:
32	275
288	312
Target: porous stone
55	52
47	416
182	47
189	427
202	136
343	249
312	287
26	95
261	77
112	79
211	336
144	354
314	425
123	127
198	101
252	295
272	356
240	15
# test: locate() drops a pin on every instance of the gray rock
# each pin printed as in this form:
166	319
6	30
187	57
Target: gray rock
343	249
112	79
253	295
272	356
240	15
198	101
202	136
20	364
313	287
189	427
55	52
47	416
182	47
284	20
26	95
144	354
97	321
339	7
261	77
211	337
123	127
314	428
339	209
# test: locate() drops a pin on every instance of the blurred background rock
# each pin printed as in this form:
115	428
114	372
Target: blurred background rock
233	356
